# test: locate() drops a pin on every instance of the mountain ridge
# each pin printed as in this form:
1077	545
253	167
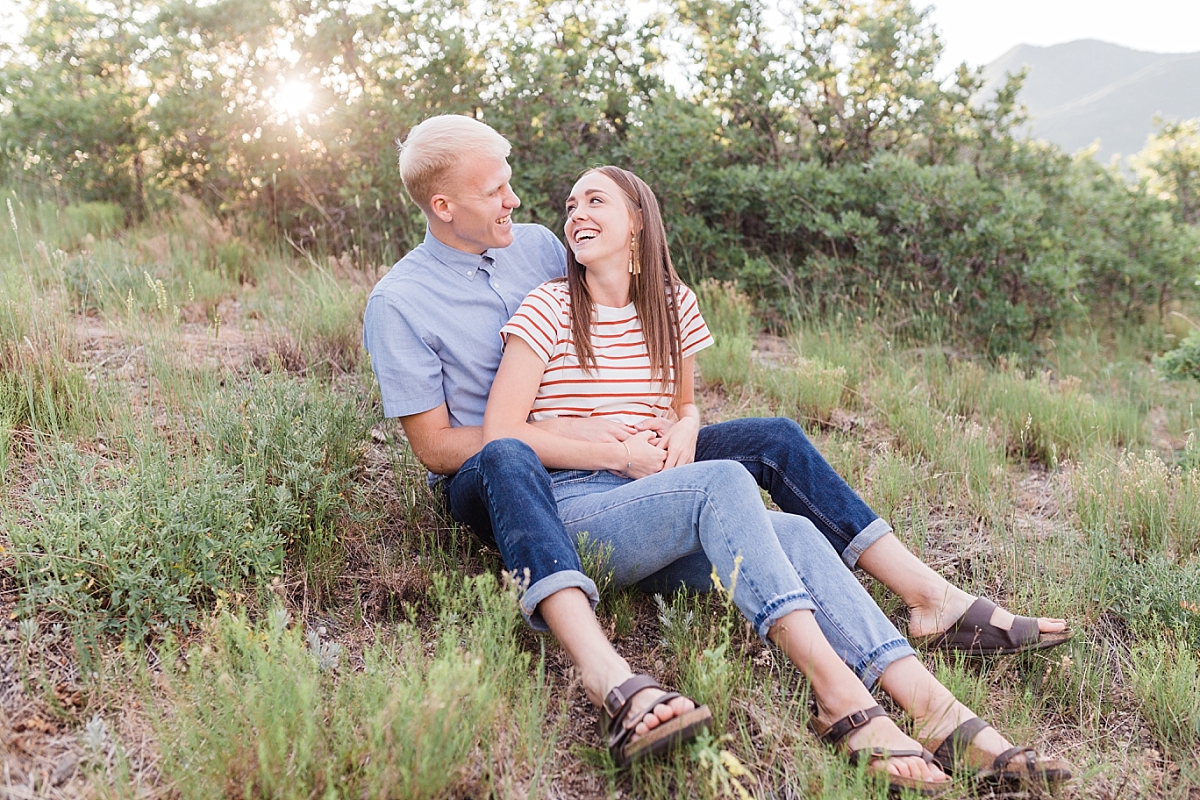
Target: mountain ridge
1087	90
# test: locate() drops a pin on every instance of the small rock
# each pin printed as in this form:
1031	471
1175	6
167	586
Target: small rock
65	769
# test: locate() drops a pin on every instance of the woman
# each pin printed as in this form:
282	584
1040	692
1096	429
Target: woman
618	339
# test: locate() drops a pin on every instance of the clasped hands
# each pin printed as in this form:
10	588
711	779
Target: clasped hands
654	444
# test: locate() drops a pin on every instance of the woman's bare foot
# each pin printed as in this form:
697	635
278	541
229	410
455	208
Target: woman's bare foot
883	733
662	712
936	613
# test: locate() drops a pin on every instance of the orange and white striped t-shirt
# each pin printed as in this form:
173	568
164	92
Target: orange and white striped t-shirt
622	385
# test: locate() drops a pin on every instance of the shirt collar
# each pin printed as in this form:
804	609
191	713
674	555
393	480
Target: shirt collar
465	264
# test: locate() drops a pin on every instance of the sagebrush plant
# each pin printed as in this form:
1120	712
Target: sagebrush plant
139	548
298	447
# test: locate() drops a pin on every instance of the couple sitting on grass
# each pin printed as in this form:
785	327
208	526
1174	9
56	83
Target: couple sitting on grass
550	393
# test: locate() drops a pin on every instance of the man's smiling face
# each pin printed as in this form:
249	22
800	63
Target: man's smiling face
480	203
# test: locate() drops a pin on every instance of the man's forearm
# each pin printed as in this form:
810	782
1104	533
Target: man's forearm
449	448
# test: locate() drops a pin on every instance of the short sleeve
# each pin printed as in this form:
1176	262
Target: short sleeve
694	335
408	370
539	321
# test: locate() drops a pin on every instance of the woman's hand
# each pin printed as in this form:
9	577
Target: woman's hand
643	457
679	442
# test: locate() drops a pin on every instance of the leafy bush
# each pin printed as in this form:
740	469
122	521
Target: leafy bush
823	165
297	447
1151	592
137	548
1184	361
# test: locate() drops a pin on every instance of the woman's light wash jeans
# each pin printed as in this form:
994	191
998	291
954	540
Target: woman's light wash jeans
673	527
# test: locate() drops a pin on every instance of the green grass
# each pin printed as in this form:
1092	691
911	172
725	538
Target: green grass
257	594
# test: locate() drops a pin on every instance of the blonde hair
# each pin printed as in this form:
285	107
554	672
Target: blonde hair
434	147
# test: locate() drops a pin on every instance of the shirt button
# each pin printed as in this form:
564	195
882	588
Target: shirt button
470	273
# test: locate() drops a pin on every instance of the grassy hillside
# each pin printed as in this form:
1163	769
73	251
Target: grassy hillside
222	574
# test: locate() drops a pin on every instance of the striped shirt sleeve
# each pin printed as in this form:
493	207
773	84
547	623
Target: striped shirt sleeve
539	321
694	335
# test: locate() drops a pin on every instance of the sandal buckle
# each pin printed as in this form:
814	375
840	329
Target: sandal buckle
614	701
857	719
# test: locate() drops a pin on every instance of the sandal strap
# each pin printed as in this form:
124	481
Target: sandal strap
1031	759
616	704
974	630
618	735
851	722
874	753
954	746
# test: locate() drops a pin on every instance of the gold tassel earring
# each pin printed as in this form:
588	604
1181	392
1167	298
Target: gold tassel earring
635	265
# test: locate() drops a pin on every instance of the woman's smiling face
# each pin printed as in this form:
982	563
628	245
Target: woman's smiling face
599	226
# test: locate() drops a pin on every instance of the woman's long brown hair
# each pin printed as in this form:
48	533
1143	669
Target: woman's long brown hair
653	289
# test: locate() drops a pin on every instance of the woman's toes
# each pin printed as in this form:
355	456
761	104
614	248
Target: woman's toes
682	705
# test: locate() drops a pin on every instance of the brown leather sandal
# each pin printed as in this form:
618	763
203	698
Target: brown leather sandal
1017	766
834	734
617	731
974	634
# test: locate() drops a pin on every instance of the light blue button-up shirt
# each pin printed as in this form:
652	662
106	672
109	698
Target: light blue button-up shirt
432	324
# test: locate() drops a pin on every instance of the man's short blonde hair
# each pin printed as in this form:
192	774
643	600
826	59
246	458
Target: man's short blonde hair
434	147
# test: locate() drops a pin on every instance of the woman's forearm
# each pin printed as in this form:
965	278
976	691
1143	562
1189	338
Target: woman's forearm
507	417
560	452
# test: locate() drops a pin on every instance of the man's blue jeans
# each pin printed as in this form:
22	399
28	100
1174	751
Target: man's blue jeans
503	493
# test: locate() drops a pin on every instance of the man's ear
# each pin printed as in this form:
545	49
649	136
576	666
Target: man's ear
439	205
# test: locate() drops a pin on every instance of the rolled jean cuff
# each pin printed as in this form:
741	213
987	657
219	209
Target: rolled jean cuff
779	608
555	582
872	667
865	538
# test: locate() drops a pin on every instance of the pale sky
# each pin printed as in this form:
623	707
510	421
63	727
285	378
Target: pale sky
979	31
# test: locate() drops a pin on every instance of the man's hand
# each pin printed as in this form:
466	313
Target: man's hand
588	429
660	426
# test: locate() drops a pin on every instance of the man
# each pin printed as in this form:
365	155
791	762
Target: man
432	329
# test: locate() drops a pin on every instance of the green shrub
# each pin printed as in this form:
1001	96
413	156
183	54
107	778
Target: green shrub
1184	361
297	445
1151	592
137	548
